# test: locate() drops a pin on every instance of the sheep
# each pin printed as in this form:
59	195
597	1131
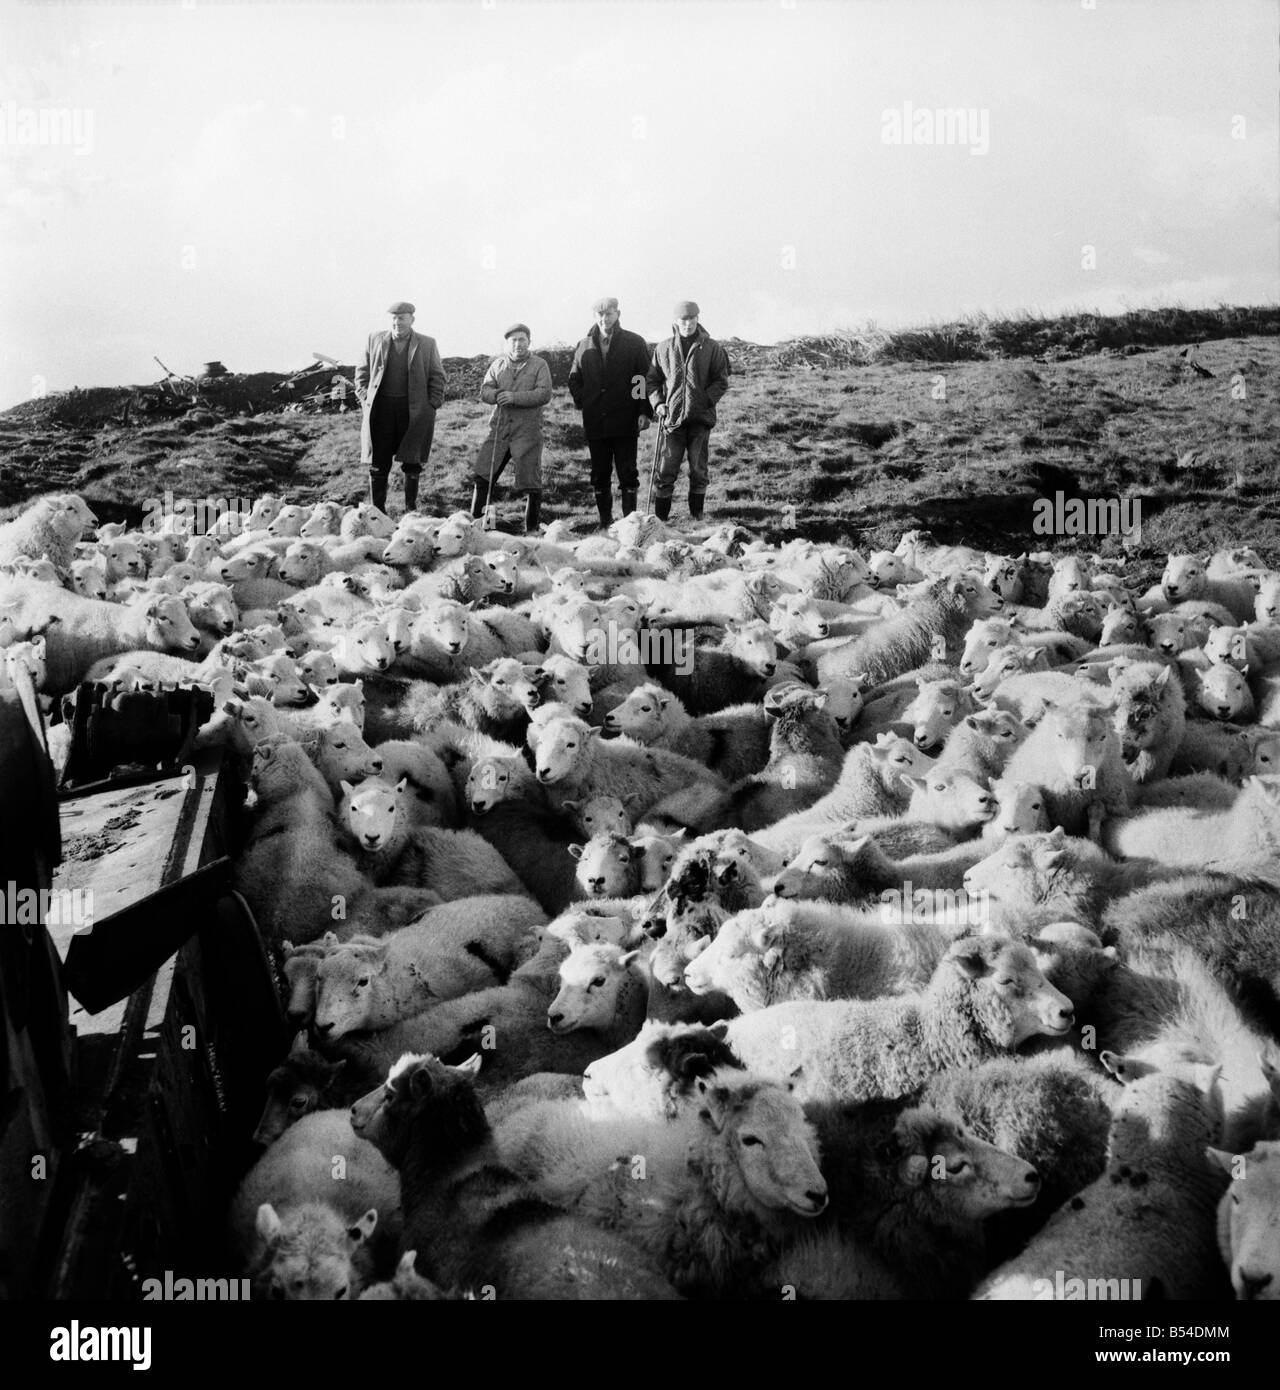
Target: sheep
150	668
1078	613
448	641
911	1193
1247	1219
50	526
275	676
1196	789
931	627
602	990
981	744
318	1159
1020	810
405	1285
654	1076
595	815
717	1191
608	866
1030	693
1223	693
571	761
495	699
734	673
1148	1223
1149	716
452	950
805	760
786	951
341	754
932	711
870	784
453	863
473	1222
953	800
211	608
1023	579
987	996
1266	603
1074	754
1223	749
1051	1109
294	871
1243	836
859	869
432	798
301	1084
88	579
1006	663
87	630
1186	577
657	853
309	1253
734	741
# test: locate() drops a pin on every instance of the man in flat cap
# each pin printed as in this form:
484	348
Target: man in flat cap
517	385
608	383
689	374
403	379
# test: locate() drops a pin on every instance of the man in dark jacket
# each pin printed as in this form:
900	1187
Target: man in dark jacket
689	374
608	383
402	377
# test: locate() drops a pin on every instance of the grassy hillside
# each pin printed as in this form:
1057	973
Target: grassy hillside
958	428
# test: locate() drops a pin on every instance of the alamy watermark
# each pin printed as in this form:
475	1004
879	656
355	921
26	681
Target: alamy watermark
173	1289
1073	1289
47	126
1093	516
55	907
196	514
612	645
948	125
950	907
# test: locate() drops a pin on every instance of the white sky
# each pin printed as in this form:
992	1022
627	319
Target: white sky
495	160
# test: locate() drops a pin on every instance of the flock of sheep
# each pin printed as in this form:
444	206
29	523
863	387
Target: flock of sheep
920	937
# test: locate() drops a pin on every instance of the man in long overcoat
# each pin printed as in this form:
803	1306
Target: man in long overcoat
518	386
402	376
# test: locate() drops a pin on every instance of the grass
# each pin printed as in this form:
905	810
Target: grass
953	427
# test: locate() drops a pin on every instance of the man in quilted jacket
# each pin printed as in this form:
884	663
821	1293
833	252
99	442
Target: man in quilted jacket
689	375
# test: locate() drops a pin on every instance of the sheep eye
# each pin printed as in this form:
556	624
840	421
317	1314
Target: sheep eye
298	1103
959	1166
1005	982
750	1139
363	982
597	983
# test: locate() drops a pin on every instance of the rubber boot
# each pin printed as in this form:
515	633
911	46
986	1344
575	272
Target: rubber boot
378	490
479	497
662	508
629	501
696	502
411	492
604	505
532	510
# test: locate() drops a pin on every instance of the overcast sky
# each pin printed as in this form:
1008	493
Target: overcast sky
255	182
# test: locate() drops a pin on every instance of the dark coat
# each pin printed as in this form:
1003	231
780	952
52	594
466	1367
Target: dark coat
517	426
426	392
690	389
610	390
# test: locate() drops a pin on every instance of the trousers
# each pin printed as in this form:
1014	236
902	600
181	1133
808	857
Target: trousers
617	452
691	440
388	422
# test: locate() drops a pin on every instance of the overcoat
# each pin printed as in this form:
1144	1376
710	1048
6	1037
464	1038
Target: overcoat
426	392
517	426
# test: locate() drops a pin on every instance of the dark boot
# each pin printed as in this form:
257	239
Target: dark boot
696	503
378	490
410	492
532	511
628	501
662	508
604	505
479	497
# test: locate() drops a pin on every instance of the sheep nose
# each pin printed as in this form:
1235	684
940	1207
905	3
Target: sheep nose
966	668
770	667
544	775
324	1027
1252	1285
1224	711
817	1198
382	663
584	707
297	1018
555	1020
1033	1178
376	764
455	647
228	626
823	629
595	884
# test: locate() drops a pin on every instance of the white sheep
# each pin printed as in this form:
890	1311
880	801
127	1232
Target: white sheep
1242	837
50	526
1247	1220
734	741
988	996
87	630
1146	1228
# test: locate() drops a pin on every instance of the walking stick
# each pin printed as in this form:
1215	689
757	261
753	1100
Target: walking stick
491	507
653	471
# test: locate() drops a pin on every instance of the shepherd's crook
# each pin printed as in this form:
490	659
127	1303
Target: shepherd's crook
490	509
653	472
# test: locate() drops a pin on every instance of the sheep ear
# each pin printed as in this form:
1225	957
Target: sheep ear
346	786
267	1222
772	958
970	960
471	1067
329	940
912	1171
299	1043
715	1109
914	783
401	785
1220	1158
571	805
625	960
576	851
363	1228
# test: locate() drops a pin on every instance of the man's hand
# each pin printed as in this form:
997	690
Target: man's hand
660	411
644	423
505	397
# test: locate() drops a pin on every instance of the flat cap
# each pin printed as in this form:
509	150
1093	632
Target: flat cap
603	305
402	306
518	328
686	309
